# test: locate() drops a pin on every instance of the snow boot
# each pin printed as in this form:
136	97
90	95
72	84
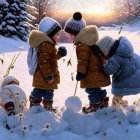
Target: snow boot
118	102
9	107
48	105
34	102
91	108
105	102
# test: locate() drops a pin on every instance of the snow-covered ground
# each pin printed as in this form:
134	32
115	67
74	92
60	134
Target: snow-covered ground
107	124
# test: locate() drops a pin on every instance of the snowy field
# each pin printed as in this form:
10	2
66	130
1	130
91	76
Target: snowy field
103	125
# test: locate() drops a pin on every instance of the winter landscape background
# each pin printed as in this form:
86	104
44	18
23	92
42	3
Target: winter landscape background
71	124
66	123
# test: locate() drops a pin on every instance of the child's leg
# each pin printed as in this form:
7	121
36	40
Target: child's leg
93	95
94	99
35	97
102	93
48	99
103	97
117	101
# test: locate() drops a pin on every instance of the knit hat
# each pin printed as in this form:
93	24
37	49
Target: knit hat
8	80
75	24
105	44
49	26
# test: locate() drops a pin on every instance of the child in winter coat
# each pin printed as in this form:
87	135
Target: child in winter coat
13	100
124	65
88	67
42	62
12	96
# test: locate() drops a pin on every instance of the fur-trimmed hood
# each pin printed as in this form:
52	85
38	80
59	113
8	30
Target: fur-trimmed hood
37	37
88	35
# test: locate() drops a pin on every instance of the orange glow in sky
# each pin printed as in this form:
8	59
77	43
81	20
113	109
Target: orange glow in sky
92	7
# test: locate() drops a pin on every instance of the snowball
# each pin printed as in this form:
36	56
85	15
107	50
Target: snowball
133	117
74	103
13	121
3	114
68	115
86	125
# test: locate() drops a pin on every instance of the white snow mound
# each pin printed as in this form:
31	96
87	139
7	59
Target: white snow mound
74	103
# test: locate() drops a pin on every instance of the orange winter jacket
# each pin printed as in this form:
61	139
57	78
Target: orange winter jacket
88	63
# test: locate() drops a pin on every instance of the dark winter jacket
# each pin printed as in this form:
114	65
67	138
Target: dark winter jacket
88	63
124	65
47	60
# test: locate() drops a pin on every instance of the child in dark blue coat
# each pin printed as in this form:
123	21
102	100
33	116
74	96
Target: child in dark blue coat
124	66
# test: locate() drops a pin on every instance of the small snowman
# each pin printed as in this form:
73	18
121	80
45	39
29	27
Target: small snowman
73	102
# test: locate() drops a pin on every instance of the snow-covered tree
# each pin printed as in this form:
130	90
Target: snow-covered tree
3	12
45	8
137	9
16	20
129	9
32	11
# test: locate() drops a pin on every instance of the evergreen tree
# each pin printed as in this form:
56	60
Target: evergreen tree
16	20
3	12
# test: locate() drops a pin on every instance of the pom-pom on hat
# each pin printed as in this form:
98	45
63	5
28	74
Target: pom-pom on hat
75	24
8	80
49	26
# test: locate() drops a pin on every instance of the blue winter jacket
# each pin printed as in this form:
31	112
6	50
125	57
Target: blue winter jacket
124	65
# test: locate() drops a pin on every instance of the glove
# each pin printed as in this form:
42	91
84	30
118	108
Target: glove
80	76
12	121
96	50
49	77
63	51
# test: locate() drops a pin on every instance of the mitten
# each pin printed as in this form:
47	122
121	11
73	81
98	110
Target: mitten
49	77
80	76
96	50
63	51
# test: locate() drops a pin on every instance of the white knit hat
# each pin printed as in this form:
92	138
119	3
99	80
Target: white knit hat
49	26
8	80
105	44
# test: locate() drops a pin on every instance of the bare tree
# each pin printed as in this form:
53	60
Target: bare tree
32	11
128	9
44	8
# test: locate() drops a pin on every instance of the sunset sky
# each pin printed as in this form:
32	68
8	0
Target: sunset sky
101	11
95	7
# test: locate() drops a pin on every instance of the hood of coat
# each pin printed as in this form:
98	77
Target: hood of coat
37	37
125	48
88	35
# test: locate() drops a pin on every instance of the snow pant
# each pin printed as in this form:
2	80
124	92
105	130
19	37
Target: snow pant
96	95
41	93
